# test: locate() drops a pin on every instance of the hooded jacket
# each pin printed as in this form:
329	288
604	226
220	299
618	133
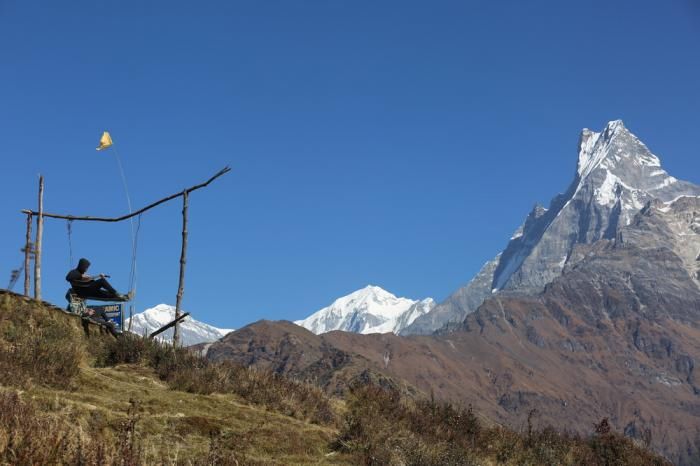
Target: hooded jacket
75	276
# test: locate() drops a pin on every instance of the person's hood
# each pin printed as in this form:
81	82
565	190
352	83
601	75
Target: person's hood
83	265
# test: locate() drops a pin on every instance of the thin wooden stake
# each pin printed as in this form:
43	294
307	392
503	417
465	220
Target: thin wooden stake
37	243
183	261
27	255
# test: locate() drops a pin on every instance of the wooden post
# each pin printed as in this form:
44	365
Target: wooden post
37	243
183	261
27	255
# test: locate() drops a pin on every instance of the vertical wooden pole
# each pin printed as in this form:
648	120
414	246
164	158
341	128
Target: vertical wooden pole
37	243
183	261
27	255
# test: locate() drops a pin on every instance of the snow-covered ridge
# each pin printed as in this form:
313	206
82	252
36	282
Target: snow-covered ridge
587	157
369	310
192	331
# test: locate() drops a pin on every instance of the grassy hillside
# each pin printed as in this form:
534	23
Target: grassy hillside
67	397
71	394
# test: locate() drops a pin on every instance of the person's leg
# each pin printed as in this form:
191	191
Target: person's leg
103	283
114	294
94	290
101	289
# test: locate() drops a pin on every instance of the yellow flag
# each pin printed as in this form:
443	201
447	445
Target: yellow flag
105	141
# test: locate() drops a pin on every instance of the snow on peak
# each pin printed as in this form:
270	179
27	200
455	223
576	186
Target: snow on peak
367	310
191	331
621	162
161	313
614	126
370	292
593	147
586	145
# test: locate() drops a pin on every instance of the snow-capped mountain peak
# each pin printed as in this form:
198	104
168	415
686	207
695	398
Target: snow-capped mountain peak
603	150
368	310
191	331
369	299
616	176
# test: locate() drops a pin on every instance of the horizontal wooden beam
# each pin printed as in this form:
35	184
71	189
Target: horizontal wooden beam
138	212
169	325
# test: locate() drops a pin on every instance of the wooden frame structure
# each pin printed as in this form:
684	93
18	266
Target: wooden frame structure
40	215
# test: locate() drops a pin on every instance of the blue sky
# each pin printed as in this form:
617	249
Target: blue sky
397	143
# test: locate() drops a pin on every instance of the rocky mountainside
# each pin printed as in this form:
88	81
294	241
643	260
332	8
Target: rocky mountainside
616	176
192	331
616	335
369	310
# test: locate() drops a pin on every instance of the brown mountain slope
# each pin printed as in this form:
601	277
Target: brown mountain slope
293	351
615	336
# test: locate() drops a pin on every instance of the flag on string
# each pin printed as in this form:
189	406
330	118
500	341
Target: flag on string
105	141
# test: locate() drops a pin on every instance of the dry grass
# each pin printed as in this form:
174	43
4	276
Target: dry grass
38	346
185	370
29	437
69	398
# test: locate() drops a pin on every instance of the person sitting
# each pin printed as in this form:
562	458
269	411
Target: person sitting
87	287
99	316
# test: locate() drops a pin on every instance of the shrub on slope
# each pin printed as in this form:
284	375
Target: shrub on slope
37	345
383	428
28	436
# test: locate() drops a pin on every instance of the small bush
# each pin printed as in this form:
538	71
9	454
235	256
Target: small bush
127	349
609	448
382	427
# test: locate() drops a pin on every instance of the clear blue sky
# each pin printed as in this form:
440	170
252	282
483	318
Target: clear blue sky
397	143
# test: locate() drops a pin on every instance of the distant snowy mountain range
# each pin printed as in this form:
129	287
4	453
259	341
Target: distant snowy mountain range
369	310
192	331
